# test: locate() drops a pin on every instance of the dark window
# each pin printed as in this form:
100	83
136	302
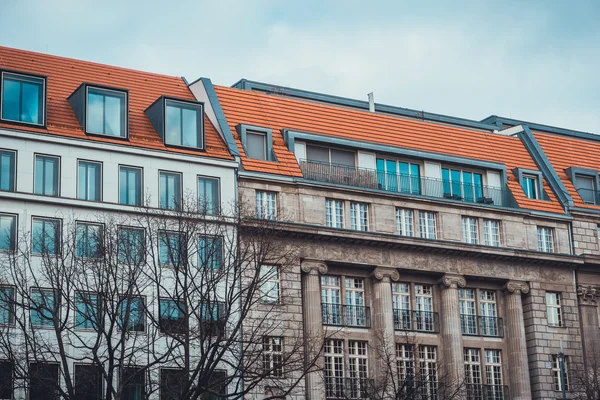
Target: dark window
23	99
330	156
210	252
132	314
43	381
46	175
131	245
208	195
586	187
172	316
183	124
134	384
7	306
8	232
130	186
170	190
212	318
256	145
6	380
89	240
45	236
89	181
106	112
172	384
88	382
86	310
171	249
214	385
7	170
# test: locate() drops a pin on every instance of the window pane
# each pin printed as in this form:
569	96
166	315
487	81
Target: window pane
88	181
8	232
170	190
86	310
95	113
190	128
183	124
342	157
43	384
7	170
42	307
6	380
586	189
46	175
173	125
113	108
88	382
11	100
130	182
171	249
317	153
7	305
22	99
131	245
208	195
106	112
131	316
45	236
256	145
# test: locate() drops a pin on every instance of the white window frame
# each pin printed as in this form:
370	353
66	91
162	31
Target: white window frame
273	356
404	222
334	213
266	205
554	315
427	225
270	289
545	239
470	229
557	375
473	376
334	370
428	369
493	373
491	232
359	216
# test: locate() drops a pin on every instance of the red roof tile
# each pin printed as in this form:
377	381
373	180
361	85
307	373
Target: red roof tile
66	75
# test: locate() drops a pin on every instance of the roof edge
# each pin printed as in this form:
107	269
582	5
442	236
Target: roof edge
499	121
221	119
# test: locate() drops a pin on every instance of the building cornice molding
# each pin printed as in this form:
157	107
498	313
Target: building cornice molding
517	287
386	274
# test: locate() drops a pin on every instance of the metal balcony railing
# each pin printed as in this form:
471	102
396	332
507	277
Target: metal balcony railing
589	196
487	392
475	325
406	184
346	315
347	388
419	321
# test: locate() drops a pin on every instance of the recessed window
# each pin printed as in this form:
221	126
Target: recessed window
133	381
586	187
131	245
210	252
545	239
6	380
7	306
553	309
334	213
208	195
398	176
23	98
462	185
106	112
43	381
171	249
7	170
8	232
273	356
172	316
45	236
89	180
130	186
404	222
43	306
530	186
132	314
427	224
359	216
469	229
269	284
491	232
256	145
170	190
88	238
88	382
47	170
266	206
183	124
86	310
172	383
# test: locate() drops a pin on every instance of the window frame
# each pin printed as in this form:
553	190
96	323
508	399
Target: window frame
210	260
16	232
269	354
11	384
400	188
405	217
55	298
141	169
12	309
100	187
331	210
125	111
76	310
461	182
120	328
182	240
188	103
521	173
576	172
556	375
488	234
182	323
469	235
144	242
424	229
356	220
101	379
547	247
260	213
54	364
44	107
14	172
58	173
180	194
273	281
244	129
329	149
557	306
102	230
217	204
58	239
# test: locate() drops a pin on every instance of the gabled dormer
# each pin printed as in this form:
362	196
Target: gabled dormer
180	123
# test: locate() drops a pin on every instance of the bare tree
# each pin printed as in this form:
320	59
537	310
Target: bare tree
584	383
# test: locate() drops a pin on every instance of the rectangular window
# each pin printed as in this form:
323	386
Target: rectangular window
47	179
8	173
173	384
6	380
256	145
404	222
23	98
473	380
467	307
357	370
7	306
213	317
493	374
334	368
331	308
334	213
43	305
398	176
45	236
469	229
491	232
428	371
133	382
184	124
462	185
132	314
334	157
87	307
8	232
405	363
131	245
106	112
559	379
266	205
553	309
43	381
545	239
89	240
586	187
427	224
172	316
208	196
171	249
273	356
530	186
269	284
89	180
402	306
424	317
355	302
210	252
488	313
359	216
130	186
88	382
170	190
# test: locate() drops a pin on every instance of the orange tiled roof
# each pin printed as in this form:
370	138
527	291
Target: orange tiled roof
66	75
278	112
564	152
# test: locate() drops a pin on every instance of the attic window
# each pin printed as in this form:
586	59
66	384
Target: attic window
180	123
257	142
23	98
101	110
531	182
586	182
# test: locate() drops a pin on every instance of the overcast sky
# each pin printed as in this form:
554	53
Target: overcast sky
530	60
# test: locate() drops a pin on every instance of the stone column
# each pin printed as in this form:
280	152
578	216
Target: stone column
313	324
383	322
587	297
518	365
451	331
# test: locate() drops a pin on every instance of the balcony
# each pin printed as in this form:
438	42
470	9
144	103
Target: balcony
475	325
416	321
347	388
406	184
487	392
346	315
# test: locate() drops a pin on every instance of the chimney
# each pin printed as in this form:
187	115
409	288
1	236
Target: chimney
371	102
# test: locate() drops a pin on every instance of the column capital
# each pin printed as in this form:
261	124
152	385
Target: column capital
313	266
382	273
517	287
452	281
588	295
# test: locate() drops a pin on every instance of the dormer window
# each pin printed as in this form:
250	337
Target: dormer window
101	110
23	98
586	182
531	182
257	142
180	123
530	185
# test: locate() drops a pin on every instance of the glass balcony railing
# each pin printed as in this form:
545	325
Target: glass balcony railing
418	321
346	315
475	325
487	392
406	184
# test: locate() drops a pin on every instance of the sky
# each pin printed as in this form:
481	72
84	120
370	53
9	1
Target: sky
533	60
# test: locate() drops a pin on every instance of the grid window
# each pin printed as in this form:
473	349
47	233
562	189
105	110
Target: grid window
88	240
8	232
488	313
89	180
355	302
406	364
402	305
210	252
183	124
469	230
427	224
266	206
331	300
47	170
106	112
43	381
273	356
404	222
491	232
428	371
357	369
398	176
88	382
208	195
23	98
269	286
472	360
130	186
530	186
7	170
334	368
131	245
43	305
557	375
171	249
334	213
359	216
553	309
45	236
172	316
6	380
131	314
468	314
545	239
462	185
424	307
86	310
7	305
170	190
493	375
